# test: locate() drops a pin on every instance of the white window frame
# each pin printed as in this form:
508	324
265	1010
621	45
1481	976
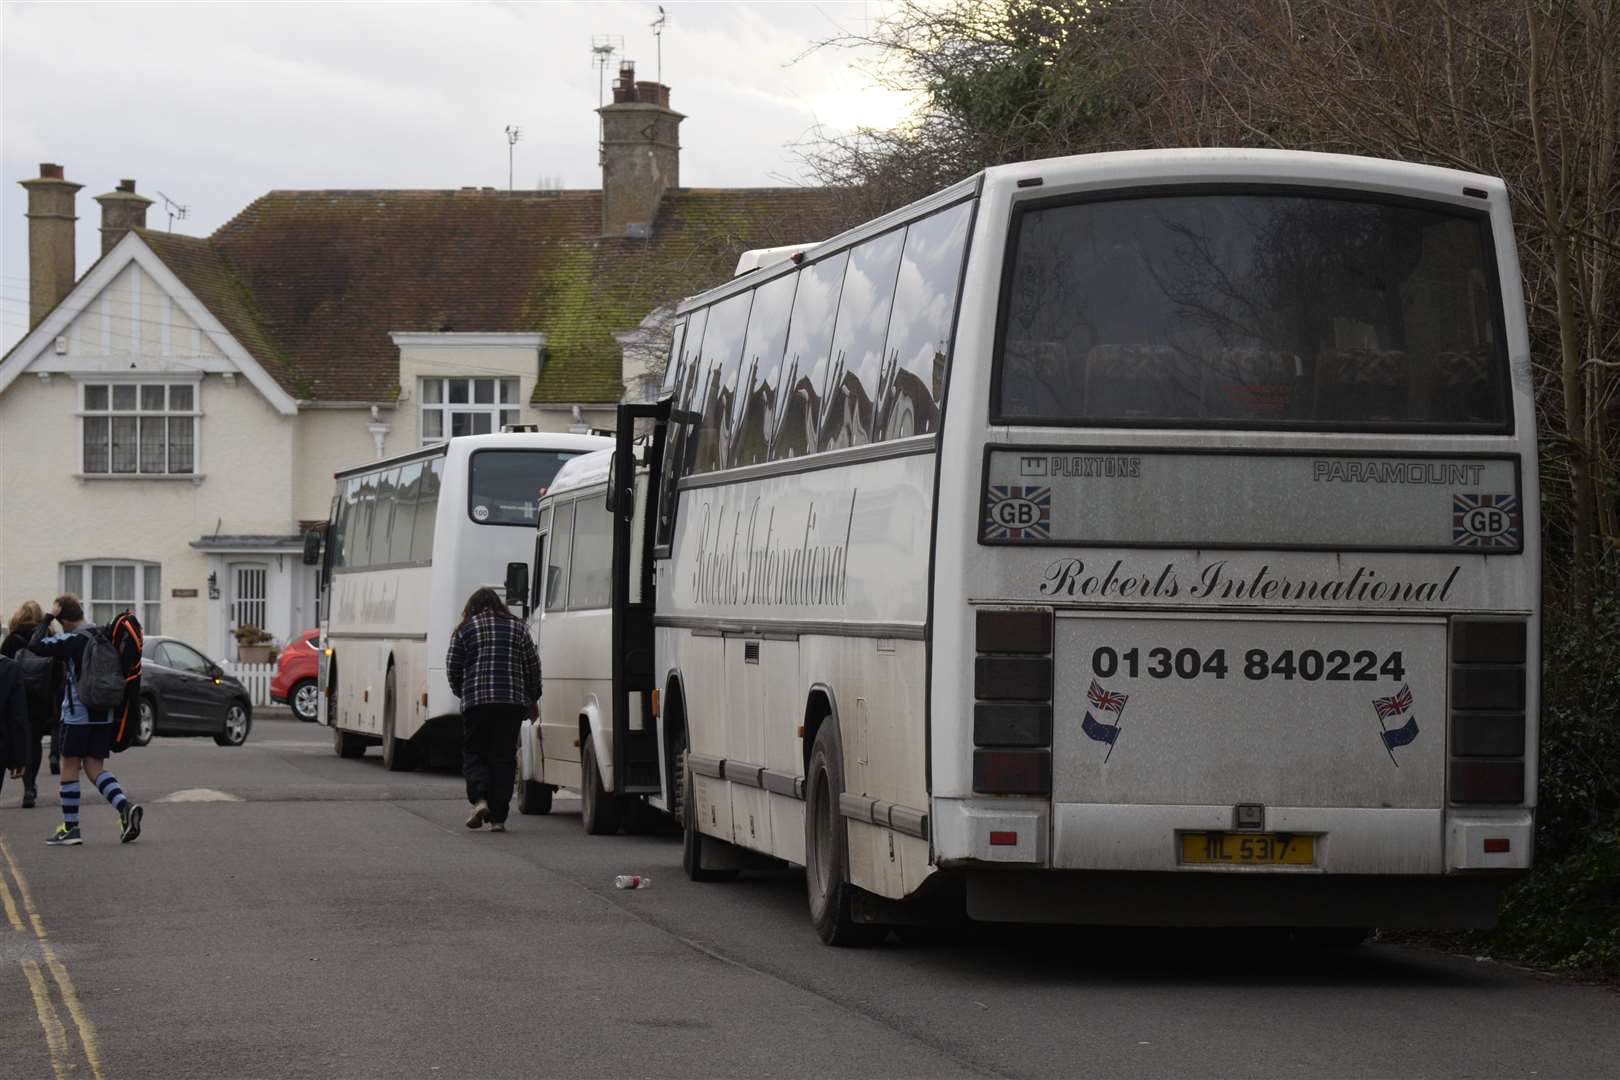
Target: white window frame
84	413
443	408
141	603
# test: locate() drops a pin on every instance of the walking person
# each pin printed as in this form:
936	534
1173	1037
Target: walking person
495	671
15	725
38	691
87	734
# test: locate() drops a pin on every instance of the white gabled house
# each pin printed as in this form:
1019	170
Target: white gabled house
170	424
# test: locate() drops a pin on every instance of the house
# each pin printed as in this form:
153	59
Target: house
170	424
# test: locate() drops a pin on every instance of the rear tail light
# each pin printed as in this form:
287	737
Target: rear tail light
1495	845
1012	772
1012	717
1489	675
1004	838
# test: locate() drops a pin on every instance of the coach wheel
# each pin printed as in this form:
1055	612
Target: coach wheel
398	754
826	847
531	796
146	723
598	808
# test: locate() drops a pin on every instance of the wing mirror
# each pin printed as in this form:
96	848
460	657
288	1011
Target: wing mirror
517	586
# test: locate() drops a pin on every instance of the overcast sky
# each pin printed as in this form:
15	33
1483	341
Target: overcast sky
216	104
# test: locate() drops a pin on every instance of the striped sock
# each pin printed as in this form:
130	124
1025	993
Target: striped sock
70	803
107	784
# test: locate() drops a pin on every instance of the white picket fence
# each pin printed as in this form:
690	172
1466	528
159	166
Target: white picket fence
256	677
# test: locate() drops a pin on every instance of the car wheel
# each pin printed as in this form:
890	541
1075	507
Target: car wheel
237	723
146	723
305	699
598	808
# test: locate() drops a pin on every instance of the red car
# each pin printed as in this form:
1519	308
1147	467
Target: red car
295	681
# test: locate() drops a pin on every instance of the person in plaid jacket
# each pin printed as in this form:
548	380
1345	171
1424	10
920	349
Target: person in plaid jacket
495	670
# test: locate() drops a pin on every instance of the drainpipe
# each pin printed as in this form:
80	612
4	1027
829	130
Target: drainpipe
379	429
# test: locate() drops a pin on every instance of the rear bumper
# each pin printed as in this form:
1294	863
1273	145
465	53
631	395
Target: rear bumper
1181	899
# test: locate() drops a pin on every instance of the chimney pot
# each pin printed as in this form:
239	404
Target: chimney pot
126	185
48	171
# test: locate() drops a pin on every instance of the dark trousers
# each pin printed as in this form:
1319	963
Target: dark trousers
36	754
489	736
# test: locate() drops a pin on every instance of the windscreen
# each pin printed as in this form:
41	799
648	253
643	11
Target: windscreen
1252	310
504	485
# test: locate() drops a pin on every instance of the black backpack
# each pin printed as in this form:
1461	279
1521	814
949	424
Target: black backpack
36	675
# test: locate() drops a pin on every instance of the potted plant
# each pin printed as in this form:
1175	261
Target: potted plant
252	644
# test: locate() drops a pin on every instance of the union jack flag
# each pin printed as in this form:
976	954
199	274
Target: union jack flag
1108	699
1018	512
1485	520
1394	705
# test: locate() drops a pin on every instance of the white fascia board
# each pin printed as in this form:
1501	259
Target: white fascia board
452	340
132	249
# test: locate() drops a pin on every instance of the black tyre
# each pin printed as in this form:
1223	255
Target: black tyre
398	754
826	847
305	700
145	722
238	722
598	808
346	744
639	818
692	840
531	797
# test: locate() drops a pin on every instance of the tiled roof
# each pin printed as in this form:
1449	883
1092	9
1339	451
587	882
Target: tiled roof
313	282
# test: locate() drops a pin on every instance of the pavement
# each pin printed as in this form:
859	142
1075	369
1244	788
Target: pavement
290	914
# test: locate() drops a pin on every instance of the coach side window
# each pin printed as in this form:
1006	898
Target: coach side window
399	537
722	356
343	542
562	543
851	392
383	516
672	363
427	510
590	578
762	370
364	516
804	368
912	383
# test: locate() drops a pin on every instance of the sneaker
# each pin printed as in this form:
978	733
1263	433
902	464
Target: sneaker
497	826
64	836
129	823
29	795
479	815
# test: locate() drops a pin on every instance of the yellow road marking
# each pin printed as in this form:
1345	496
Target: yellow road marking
10	904
55	1033
64	982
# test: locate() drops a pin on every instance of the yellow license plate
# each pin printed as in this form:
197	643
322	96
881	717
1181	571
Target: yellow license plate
1248	849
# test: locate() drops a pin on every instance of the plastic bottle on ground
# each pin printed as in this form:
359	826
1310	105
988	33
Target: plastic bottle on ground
631	881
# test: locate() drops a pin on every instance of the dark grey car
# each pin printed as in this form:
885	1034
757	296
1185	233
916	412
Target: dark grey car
185	693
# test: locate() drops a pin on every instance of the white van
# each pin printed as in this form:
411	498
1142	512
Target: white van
571	622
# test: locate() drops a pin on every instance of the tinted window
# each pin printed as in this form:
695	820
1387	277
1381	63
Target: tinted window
590	579
851	393
347	508
762	370
183	658
399	537
722	356
913	379
427	509
672	365
503	486
1252	309
383	519
804	368
364	514
684	391
562	542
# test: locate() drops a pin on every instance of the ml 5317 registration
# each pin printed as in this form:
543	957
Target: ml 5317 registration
1310	665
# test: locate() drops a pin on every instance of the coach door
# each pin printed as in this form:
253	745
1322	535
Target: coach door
632	498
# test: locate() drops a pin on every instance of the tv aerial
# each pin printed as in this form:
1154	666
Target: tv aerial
175	211
603	48
658	25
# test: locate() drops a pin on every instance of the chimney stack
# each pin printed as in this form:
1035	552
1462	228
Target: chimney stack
641	153
121	211
50	240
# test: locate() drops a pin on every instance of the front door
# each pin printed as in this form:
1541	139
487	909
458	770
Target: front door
249	595
632	497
